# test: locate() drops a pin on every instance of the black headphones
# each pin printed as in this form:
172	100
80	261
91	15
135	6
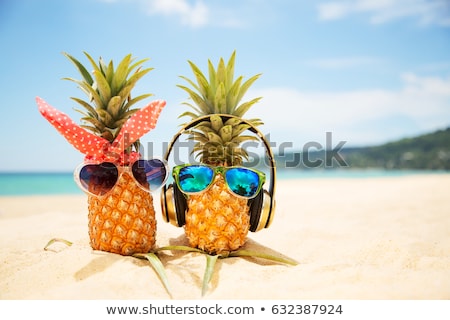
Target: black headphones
173	201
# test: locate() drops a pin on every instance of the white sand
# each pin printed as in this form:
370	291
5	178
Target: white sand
378	238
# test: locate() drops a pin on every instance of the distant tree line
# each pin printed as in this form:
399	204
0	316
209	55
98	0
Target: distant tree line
426	152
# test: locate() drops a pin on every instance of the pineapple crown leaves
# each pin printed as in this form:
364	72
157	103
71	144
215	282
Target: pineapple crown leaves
110	129
218	141
220	94
109	93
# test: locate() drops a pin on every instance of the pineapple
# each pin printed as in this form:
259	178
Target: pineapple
123	220
216	220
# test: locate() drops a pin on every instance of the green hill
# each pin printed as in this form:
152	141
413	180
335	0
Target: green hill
426	152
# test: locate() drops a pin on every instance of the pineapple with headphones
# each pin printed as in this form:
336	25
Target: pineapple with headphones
218	201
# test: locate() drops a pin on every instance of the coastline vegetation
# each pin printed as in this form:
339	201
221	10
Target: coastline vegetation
425	152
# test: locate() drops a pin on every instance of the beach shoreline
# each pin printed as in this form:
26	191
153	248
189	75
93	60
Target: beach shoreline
374	238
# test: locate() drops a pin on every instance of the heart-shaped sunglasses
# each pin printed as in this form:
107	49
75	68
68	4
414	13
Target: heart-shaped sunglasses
99	179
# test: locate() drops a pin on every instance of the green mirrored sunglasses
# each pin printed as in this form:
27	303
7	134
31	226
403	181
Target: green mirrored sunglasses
196	178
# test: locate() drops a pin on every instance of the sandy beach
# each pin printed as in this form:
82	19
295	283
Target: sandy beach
377	238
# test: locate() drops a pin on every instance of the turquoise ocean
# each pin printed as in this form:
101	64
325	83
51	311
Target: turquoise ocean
29	183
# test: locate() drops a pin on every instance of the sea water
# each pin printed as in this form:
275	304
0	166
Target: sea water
31	183
26	183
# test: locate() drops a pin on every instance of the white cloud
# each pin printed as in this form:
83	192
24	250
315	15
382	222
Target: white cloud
194	15
359	117
198	13
381	11
333	10
426	85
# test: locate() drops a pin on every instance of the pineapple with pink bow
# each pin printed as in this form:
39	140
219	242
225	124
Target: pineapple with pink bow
117	181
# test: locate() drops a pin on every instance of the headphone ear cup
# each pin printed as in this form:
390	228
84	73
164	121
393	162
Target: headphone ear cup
167	205
173	205
255	205
180	205
267	210
260	211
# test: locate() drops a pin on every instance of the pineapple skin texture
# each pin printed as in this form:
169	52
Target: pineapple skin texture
216	220
124	220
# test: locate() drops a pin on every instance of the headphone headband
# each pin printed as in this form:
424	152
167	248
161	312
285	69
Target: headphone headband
251	128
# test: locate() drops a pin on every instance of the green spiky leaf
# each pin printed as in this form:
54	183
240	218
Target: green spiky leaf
180	248
199	137
220	99
195	86
55	240
114	106
245	86
136	99
106	118
95	122
239	129
201	80
243	108
240	139
109	74
120	76
197	99
233	121
89	90
230	70
226	133
212	76
214	137
188	114
90	110
232	96
157	266
256	254
84	73
209	271
216	122
204	128
221	73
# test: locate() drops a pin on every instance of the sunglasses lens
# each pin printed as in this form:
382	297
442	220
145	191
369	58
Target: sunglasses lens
150	173
242	182
99	178
195	178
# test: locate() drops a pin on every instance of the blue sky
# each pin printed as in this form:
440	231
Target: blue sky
369	71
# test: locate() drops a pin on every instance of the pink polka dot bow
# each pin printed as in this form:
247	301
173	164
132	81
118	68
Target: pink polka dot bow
97	149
